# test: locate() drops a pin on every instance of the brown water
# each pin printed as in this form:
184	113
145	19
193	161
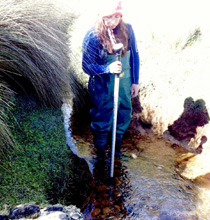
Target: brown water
148	187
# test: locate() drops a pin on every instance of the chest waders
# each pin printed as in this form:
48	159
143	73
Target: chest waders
101	88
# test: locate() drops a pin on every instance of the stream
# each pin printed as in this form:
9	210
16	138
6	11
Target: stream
146	185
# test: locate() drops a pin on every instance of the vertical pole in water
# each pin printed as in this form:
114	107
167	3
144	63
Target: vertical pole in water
117	48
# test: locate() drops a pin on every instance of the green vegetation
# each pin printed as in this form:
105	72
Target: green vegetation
35	163
193	38
28	172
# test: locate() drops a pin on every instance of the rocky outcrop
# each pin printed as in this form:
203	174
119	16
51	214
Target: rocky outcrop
54	212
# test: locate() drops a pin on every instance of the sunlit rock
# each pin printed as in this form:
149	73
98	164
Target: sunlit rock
54	212
25	211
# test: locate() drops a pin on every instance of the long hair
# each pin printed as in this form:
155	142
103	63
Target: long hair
121	35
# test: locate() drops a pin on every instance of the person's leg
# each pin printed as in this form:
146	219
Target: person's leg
101	113
100	141
124	112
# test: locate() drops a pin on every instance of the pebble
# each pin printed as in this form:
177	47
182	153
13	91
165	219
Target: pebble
106	210
134	156
95	212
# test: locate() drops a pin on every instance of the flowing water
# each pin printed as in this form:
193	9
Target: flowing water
147	187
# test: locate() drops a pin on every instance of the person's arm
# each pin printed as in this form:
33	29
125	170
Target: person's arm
92	63
135	64
134	61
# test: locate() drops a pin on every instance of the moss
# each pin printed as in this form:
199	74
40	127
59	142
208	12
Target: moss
40	156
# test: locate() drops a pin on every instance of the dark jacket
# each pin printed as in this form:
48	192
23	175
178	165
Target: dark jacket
93	55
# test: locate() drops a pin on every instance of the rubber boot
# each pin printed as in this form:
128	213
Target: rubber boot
100	141
119	155
118	145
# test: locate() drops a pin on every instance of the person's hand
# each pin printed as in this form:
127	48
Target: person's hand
115	67
134	90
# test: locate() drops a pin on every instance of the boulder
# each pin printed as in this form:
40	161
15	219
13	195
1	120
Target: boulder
54	212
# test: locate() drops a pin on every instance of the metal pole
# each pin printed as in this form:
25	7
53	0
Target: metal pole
117	48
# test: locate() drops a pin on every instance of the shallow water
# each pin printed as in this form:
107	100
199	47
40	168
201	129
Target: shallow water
148	187
143	188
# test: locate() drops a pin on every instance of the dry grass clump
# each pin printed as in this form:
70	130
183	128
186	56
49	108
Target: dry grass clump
5	135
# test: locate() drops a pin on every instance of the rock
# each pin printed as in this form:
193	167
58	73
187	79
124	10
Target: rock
25	211
61	213
95	212
133	156
117	207
54	212
54	208
106	210
54	215
73	212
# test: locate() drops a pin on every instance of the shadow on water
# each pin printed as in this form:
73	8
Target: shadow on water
74	187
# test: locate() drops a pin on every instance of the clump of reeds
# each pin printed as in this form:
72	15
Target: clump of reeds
34	47
5	135
34	53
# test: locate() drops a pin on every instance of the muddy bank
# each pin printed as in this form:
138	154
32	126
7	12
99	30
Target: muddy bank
174	104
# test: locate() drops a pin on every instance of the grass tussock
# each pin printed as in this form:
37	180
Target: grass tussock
6	138
34	55
34	48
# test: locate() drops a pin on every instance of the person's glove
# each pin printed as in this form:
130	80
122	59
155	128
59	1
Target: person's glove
115	67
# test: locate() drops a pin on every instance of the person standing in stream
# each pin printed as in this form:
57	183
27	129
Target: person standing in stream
98	61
